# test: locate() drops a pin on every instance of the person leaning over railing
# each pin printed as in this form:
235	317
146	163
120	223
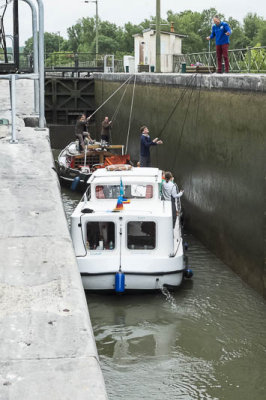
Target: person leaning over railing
221	31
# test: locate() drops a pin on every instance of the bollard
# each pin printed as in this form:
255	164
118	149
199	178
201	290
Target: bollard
183	68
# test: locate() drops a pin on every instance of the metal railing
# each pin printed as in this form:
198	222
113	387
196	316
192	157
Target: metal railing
250	59
69	60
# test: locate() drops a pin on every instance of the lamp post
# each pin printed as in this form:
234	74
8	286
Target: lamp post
158	36
96	25
58	33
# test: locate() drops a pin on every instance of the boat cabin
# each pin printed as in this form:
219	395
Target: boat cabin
136	236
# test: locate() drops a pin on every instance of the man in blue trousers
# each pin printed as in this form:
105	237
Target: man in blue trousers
221	31
145	143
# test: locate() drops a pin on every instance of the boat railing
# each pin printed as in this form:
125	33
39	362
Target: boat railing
87	195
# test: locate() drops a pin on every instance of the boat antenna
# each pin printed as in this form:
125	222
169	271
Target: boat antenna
129	122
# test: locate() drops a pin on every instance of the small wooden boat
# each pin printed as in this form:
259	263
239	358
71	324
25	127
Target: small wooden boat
75	167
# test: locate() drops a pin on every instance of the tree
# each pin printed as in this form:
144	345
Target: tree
252	24
81	35
238	39
261	36
194	24
52	43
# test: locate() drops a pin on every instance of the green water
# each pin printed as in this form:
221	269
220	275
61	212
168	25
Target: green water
205	341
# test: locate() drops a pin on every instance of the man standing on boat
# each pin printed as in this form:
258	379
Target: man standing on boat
106	130
145	143
169	193
80	129
221	30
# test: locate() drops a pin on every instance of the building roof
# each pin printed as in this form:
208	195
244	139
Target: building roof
153	32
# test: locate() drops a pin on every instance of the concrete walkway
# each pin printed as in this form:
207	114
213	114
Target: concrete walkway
47	347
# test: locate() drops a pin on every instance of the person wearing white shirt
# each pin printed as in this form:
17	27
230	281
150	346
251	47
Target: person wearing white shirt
169	193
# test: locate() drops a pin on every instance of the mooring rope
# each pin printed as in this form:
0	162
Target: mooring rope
111	96
119	104
130	114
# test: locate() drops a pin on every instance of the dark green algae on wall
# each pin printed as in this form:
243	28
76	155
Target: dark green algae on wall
214	131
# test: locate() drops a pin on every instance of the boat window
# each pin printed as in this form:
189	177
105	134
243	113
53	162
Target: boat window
141	235
134	191
100	235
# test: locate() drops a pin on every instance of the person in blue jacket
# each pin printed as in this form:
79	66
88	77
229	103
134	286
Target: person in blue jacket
145	143
221	31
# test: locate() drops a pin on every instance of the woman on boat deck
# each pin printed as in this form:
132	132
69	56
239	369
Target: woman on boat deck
80	129
169	193
145	143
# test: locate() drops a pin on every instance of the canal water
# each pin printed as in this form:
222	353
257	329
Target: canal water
207	340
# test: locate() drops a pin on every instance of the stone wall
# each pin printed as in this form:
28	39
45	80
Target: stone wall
214	130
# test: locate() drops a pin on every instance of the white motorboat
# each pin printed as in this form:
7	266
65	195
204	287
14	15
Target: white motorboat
123	233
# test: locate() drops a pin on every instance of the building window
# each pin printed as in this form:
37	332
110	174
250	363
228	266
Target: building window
141	235
100	235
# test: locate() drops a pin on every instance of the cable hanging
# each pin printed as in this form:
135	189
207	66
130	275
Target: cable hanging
132	101
177	103
183	125
119	104
120	87
5	3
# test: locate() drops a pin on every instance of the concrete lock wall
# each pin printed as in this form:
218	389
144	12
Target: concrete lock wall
47	347
214	143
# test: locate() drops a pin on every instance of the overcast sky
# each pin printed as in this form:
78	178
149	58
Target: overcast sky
61	14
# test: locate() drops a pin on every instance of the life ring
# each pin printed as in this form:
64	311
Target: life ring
119	167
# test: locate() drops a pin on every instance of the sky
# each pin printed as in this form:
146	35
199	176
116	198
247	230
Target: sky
61	14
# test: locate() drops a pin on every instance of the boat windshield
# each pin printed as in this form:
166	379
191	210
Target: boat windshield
133	191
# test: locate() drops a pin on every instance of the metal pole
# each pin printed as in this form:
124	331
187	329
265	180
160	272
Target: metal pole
35	53
13	108
16	33
41	64
158	36
249	59
97	28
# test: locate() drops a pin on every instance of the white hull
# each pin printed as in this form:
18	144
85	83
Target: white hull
132	282
142	271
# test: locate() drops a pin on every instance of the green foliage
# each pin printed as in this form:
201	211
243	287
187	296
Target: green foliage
52	43
255	59
252	25
119	41
261	36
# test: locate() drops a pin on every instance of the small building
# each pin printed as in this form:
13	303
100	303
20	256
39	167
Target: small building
145	49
